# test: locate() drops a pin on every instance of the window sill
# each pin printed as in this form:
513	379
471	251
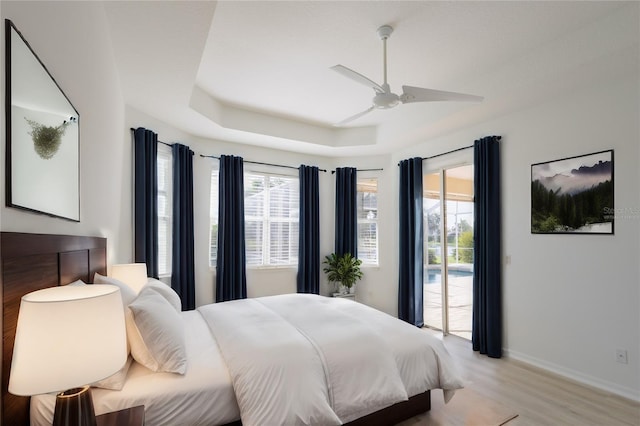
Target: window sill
272	267
370	266
265	267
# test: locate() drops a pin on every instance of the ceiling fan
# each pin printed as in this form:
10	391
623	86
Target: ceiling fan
384	98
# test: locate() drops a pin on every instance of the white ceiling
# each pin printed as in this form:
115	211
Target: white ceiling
258	72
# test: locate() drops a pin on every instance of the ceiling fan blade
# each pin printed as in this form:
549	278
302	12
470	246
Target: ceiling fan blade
357	77
354	117
419	94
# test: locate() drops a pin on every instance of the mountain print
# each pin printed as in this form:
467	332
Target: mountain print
573	195
578	180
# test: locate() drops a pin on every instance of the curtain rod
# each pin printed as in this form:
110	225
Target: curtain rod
159	141
448	152
362	170
246	161
445	153
263	164
453	150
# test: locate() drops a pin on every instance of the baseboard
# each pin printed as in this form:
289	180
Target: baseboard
575	376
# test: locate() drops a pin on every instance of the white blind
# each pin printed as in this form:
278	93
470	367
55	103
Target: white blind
271	206
367	203
213	216
255	195
283	220
271	210
165	207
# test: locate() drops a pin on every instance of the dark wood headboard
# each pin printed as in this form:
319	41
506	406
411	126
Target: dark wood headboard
32	262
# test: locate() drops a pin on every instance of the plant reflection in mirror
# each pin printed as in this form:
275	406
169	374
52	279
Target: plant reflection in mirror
46	139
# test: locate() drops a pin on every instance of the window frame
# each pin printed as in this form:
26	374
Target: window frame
265	219
369	176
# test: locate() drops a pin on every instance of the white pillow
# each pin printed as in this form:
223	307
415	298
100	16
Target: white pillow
165	291
116	380
155	333
126	292
77	283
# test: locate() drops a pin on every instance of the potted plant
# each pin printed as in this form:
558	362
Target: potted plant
343	270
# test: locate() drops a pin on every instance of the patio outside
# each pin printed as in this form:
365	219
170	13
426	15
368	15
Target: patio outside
448	218
460	299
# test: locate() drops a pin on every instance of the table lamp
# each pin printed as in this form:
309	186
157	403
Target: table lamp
66	338
132	274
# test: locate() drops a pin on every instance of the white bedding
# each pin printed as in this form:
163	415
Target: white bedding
203	396
262	379
306	359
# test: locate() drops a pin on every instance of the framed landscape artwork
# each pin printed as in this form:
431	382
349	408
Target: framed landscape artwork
573	195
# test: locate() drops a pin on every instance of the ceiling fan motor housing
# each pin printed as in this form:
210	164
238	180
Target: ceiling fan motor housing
386	100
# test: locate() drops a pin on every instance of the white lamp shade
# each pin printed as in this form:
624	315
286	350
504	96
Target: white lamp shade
67	337
132	274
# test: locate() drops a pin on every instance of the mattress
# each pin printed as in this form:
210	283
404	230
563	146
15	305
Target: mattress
203	396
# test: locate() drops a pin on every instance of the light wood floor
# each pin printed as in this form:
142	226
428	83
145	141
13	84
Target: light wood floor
537	396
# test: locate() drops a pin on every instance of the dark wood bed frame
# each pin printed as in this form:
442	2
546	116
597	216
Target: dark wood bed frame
30	262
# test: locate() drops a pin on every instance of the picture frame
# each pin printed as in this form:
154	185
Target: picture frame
573	195
42	135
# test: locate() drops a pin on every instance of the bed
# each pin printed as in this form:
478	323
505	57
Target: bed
215	388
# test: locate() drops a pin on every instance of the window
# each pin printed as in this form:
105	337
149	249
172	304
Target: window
213	215
165	207
367	204
271	210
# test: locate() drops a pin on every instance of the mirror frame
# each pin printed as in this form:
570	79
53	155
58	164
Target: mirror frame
35	190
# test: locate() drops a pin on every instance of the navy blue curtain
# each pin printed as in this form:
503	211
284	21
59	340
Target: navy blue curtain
410	289
487	306
308	280
182	274
346	211
146	199
231	273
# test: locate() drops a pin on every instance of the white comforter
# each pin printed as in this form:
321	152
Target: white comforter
307	359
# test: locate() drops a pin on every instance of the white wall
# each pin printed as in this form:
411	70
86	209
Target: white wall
569	300
77	52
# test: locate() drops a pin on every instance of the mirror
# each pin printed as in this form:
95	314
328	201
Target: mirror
43	142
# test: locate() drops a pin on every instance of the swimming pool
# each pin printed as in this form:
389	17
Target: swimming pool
433	276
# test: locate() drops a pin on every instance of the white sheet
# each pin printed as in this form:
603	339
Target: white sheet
203	396
290	365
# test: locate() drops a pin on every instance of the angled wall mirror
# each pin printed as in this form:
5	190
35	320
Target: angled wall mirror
43	140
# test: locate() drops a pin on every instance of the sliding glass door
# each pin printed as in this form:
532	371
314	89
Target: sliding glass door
448	261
